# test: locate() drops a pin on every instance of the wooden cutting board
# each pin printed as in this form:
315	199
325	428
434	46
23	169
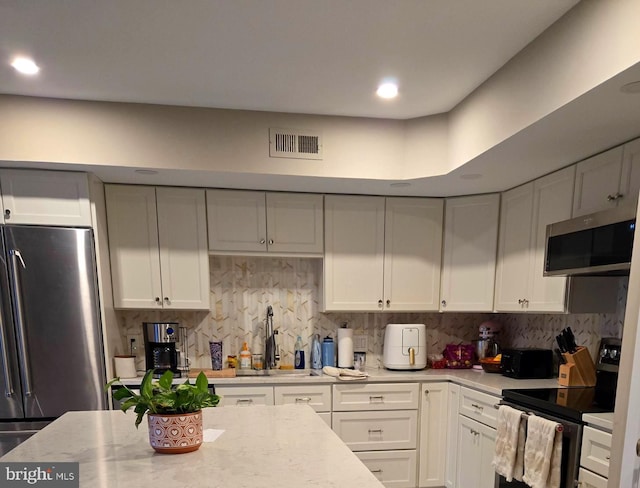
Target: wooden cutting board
210	373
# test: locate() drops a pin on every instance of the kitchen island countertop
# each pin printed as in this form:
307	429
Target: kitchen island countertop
264	447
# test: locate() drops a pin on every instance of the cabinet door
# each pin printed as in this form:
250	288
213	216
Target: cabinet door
354	253
236	220
245	396
587	479
630	179
184	260
412	253
45	197
469	263
487	437
516	213
433	434
552	197
317	397
377	431
452	435
469	456
597	182
133	246
394	469
294	223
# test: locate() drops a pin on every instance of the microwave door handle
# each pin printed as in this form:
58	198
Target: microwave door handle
19	319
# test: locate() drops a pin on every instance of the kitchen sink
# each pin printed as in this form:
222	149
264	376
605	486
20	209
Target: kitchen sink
288	373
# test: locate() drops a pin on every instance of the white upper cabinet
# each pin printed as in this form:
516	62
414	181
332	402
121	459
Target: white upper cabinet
469	260
382	254
525	213
250	221
158	247
608	179
38	197
412	253
354	253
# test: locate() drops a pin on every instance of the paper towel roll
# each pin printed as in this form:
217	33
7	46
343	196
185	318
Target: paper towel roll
345	348
125	366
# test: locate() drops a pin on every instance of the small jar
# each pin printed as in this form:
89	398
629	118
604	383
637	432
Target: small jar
258	361
232	361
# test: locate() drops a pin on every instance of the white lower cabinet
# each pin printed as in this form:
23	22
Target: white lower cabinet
452	436
316	396
326	416
380	423
476	439
245	396
587	479
395	469
433	434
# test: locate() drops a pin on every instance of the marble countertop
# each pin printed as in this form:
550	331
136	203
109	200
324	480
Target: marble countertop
267	447
602	421
478	379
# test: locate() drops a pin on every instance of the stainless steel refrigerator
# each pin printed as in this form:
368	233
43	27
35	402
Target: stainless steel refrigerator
51	350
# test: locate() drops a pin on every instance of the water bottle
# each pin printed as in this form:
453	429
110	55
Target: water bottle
299	354
316	353
328	352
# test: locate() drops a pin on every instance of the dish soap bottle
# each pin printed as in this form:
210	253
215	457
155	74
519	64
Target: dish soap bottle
299	354
245	357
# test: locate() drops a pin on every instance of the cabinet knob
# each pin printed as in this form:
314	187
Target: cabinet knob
610	198
270	241
379	303
7	213
614	197
157	299
444	303
388	303
638	448
166	299
262	241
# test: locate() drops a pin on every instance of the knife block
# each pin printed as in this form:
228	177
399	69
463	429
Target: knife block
579	369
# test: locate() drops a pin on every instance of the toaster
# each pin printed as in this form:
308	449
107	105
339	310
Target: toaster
527	363
405	346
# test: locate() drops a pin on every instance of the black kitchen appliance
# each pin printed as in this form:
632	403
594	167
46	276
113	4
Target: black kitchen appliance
527	363
160	346
607	365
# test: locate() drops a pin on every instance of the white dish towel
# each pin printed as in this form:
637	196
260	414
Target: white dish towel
345	374
510	433
542	453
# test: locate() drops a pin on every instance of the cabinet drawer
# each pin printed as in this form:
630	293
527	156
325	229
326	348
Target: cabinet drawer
479	406
245	396
588	479
376	431
596	451
395	469
360	396
316	396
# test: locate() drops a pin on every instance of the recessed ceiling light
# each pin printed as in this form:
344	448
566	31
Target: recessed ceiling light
25	66
633	87
471	176
387	90
146	172
400	184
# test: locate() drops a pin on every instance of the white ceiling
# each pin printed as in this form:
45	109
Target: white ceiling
302	56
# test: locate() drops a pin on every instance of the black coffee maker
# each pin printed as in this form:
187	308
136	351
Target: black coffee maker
160	347
607	365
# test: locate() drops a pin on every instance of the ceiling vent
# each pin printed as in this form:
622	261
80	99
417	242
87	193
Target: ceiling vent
295	144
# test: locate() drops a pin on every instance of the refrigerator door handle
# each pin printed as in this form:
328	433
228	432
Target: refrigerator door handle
8	384
21	335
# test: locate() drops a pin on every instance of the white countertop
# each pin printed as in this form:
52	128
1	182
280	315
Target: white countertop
264	447
602	421
478	379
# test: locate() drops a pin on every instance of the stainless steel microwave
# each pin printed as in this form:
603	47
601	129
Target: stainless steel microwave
594	244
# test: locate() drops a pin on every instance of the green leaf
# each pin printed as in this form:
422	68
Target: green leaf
202	384
122	393
166	379
128	404
146	388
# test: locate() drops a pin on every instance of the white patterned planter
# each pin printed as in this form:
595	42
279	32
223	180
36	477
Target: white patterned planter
175	433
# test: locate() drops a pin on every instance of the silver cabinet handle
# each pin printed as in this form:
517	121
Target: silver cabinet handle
270	241
614	197
166	299
388	303
380	303
244	401
376	470
377	397
444	303
262	241
479	407
426	392
375	431
520	301
19	319
7	213
303	400
158	300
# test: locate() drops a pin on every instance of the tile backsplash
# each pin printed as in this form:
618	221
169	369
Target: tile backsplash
242	288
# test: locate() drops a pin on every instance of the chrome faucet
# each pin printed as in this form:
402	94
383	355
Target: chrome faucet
271	355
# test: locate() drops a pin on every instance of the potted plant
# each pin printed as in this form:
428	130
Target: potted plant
174	412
